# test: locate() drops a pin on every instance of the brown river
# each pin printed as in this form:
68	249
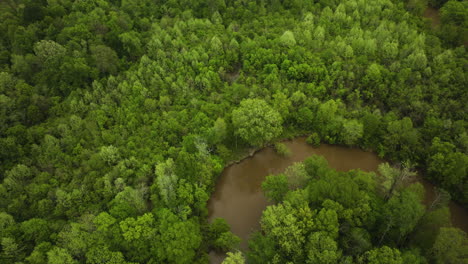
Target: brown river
238	197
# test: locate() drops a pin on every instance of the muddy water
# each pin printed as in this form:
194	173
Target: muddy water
238	197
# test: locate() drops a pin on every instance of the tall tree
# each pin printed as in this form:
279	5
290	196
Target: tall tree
256	122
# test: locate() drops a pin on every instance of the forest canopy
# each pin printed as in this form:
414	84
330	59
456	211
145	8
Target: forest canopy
117	117
352	217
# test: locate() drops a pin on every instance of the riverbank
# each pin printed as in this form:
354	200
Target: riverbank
238	197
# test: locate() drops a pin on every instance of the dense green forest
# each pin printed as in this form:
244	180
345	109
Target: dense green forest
117	116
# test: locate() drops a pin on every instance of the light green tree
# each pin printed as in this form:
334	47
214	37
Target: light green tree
59	256
287	39
256	122
279	222
297	175
216	45
352	131
327	119
166	180
234	258
219	131
49	53
282	104
393	178
322	249
10	248
16	177
383	255
109	154
102	255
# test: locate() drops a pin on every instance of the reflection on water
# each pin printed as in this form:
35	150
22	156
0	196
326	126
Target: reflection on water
238	197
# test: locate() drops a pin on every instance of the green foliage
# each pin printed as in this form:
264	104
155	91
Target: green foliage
166	180
383	255
327	120
454	18
59	255
322	249
313	139
219	225
413	256
275	187
6	222
256	122
282	149
135	229
342	216
357	241
284	228
450	246
226	241
35	229
10	248
447	166
219	131
316	166
17	177
428	229
110	110
38	255
393	179
261	248
105	58
178	239
287	39
49	53
401	215
417	6
352	132
221	237
297	176
109	154
282	104
234	258
127	203
402	138
104	255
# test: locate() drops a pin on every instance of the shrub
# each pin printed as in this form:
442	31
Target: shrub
282	150
313	139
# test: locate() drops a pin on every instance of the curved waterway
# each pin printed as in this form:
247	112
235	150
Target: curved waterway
238	196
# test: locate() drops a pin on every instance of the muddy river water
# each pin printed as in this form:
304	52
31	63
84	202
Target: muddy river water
238	197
